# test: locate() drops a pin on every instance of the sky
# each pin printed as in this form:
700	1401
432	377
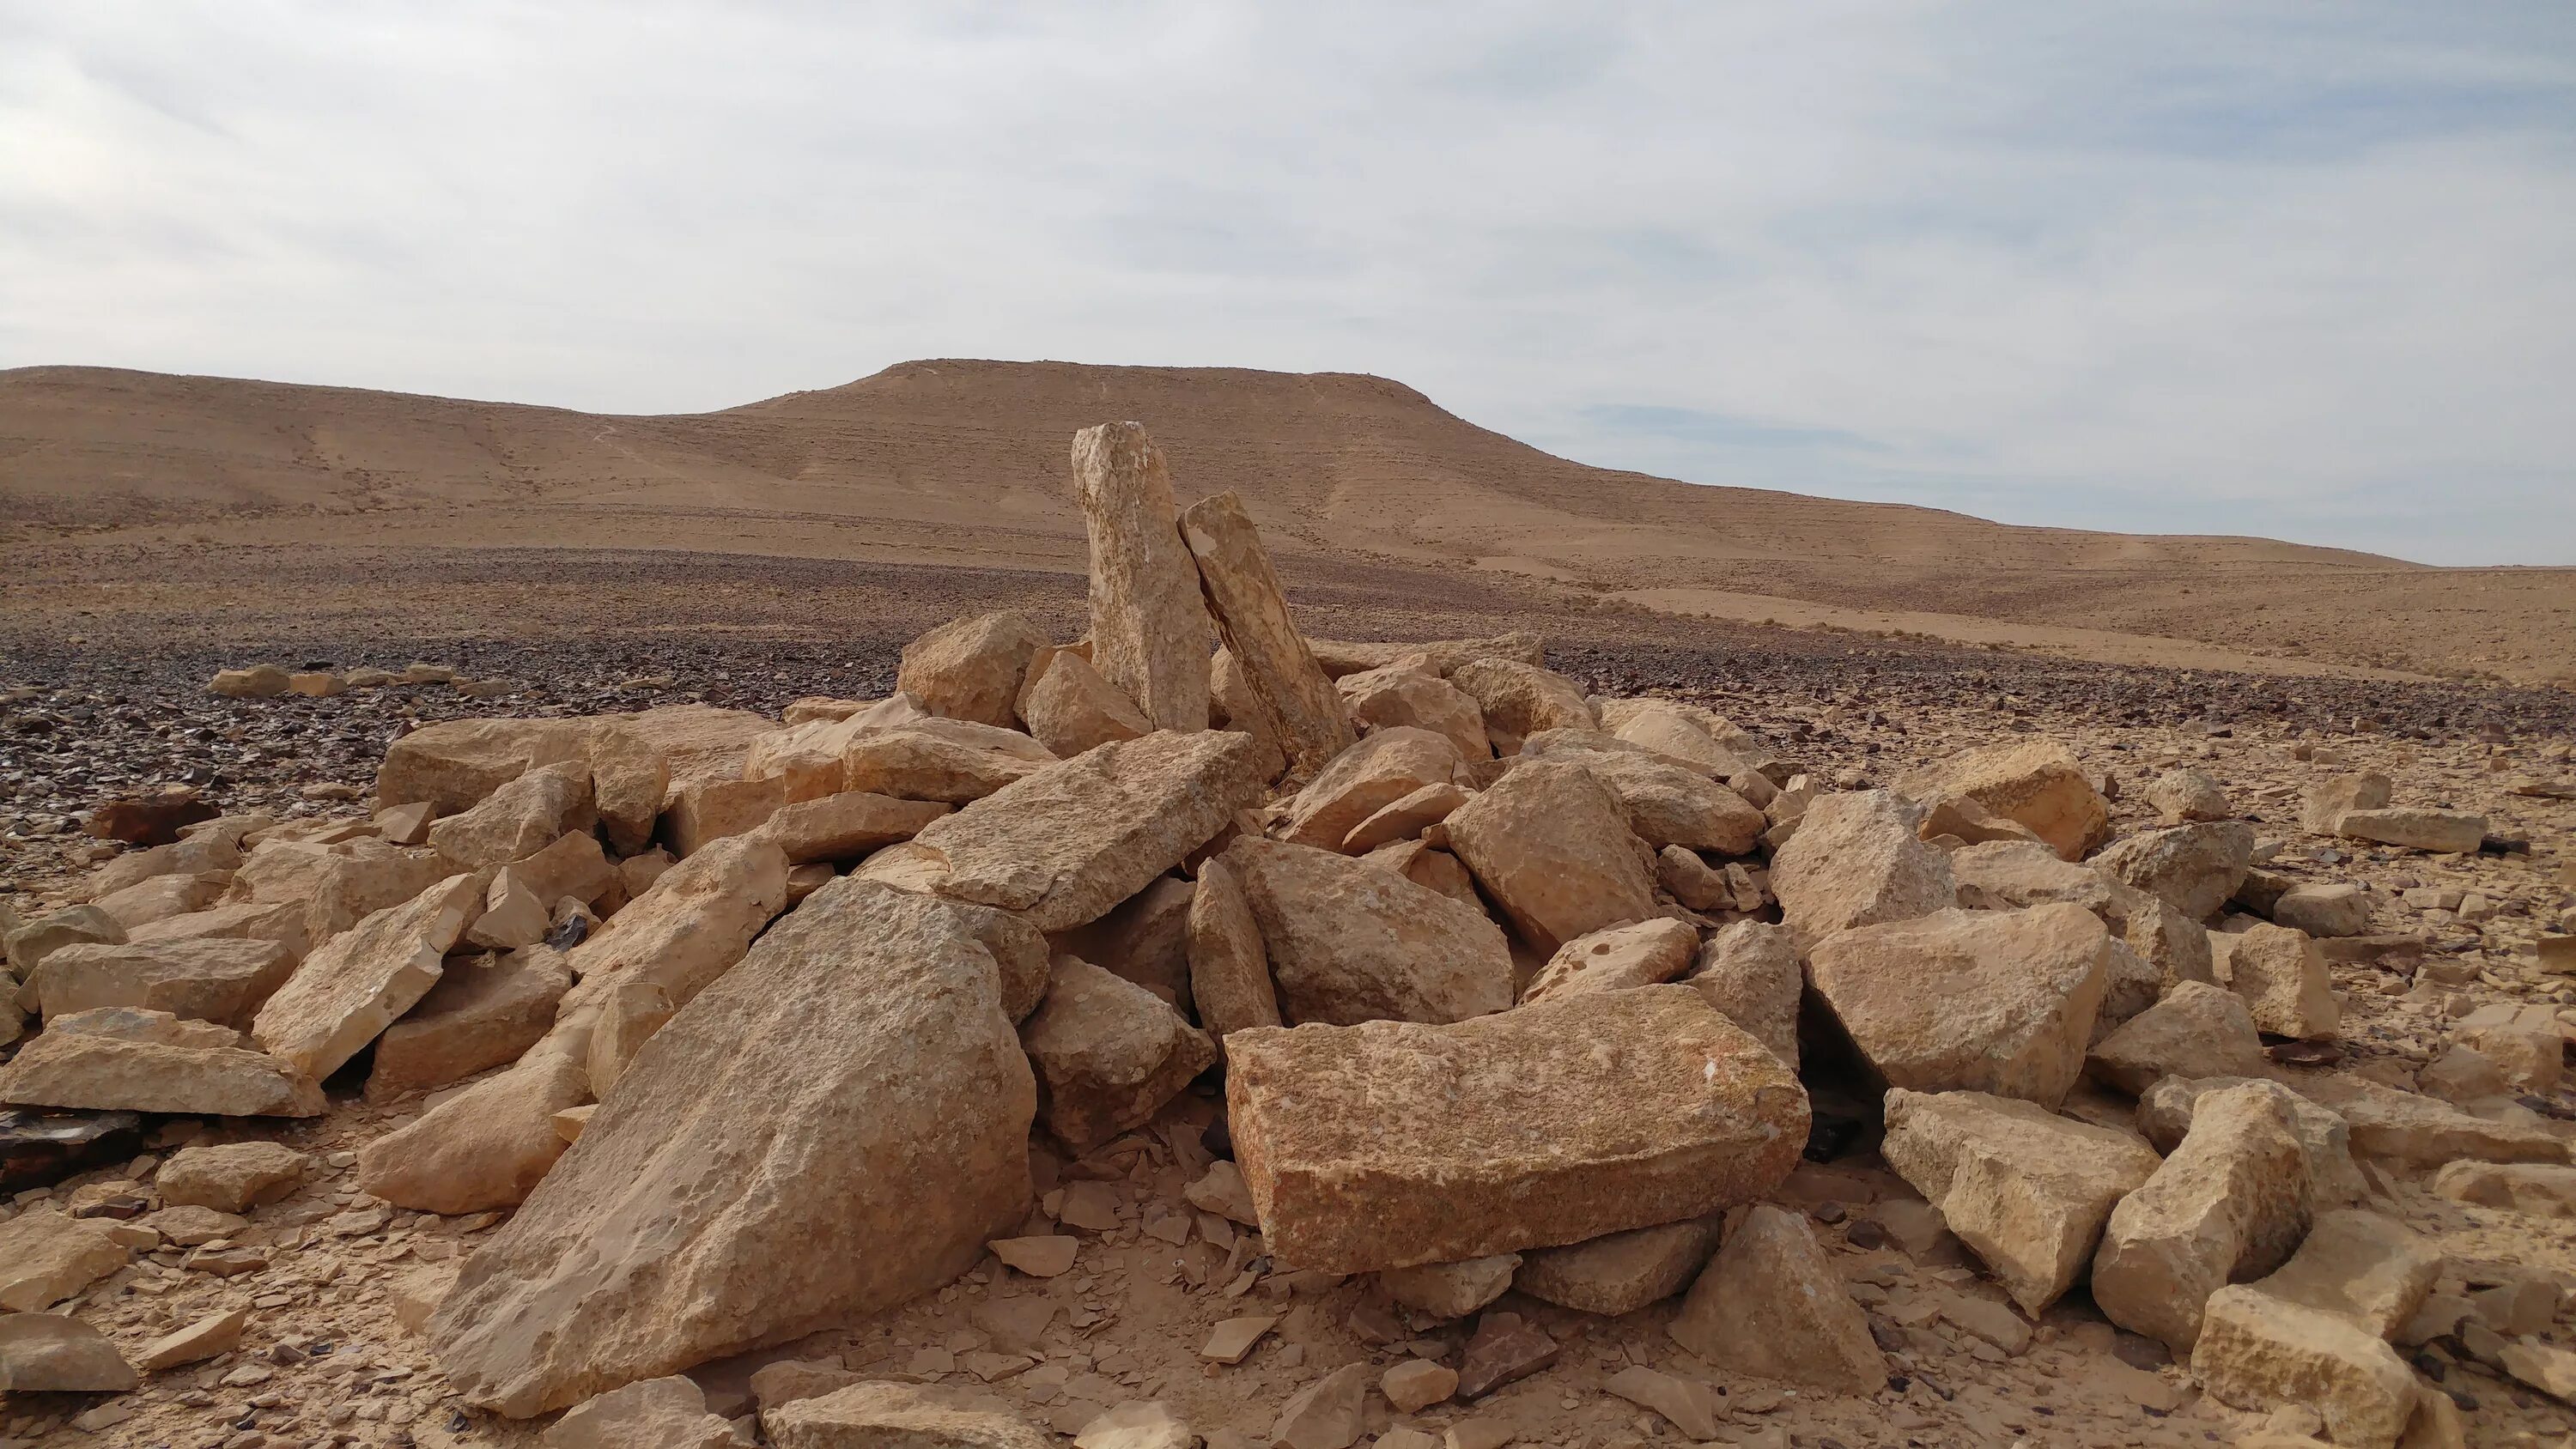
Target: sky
2299	270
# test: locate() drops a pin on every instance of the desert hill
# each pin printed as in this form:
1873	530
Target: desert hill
964	463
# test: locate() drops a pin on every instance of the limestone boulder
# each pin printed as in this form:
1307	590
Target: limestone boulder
1675	732
1064	845
972	668
1294	698
357	983
2323	804
1149	625
2026	1190
1749	971
2258	1352
944	760
666	1413
1403	695
1688	878
47	1255
846	825
1230	981
487	1146
1108	1054
2197	1030
56	1353
2540	1189
2231	1203
1390	1144
629	775
1346	656
1667	803
1451	1290
30	942
1771	1305
1069	707
162	897
837	1125
455	763
483	1013
2281	974
1146	939
1518	700
1405	819
1982	1001
2336	909
1999	875
2367	1266
1435	870
520	818
1616	958
2182	795
2165	1111
2195	868
695	922
1388	766
1856	861
231	1177
2036	783
1348	942
1622	1272
2440	832
69	1067
208	980
1551	845
886	1415
280	921
198	855
2411	1130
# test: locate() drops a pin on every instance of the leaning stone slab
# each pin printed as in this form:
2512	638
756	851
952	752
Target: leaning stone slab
1149	627
1750	972
518	819
2417	1131
1348	942
2026	1190
490	1144
1640	954
2367	1266
2197	1030
695	922
2231	1203
1386	767
2281	974
483	1013
1981	1001
938	759
1069	708
2195	868
1229	965
1296	699
359	982
838	1124
1551	844
2165	1111
1064	845
846	825
1390	1144
455	763
47	1256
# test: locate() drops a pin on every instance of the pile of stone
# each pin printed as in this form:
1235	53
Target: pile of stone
1510	988
268	681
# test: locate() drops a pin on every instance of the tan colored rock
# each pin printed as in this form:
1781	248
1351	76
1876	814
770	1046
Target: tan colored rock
972	668
2258	1352
1518	700
208	980
2416	1131
260	681
1401	695
1390	765
1141	1424
1433	870
883	1415
1667	803
2441	832
2546	1190
2229	1204
1619	1273
2026	1190
2197	1030
2545	1367
1344	656
2182	795
56	1353
1855	861
47	1256
629	776
837	1125
1688	1405
1069	842
1348	942
2193	867
702	812
696	741
1295	698
2036	783
356	984
1675	732
2281	974
847	825
339	885
667	1413
487	1146
1692	881
1552	846
512	915
518	819
624	1012
68	1067
1108	1054
1985	1001
2323	805
281	922
1146	939
1149	628
1750	972
209	1337
572	866
790	1379
1229	966
1070	708
1405	818
1771	1305
695	922
483	1013
30	942
1616	958
1325	1414
1390	1144
162	897
231	1177
947	760
2164	1116
805	760
1451	1290
455	763
2366	1266
2012	874
2338	909
197	855
1416	1384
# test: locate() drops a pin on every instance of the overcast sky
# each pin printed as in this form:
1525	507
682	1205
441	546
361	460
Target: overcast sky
2305	270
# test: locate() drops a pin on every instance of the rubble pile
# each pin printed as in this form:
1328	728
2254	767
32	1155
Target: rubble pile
1402	1041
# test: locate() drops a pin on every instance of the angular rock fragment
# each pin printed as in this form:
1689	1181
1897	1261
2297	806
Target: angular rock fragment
972	668
1552	846
2440	832
667	1413
695	922
1390	1144
488	1146
481	1014
47	1353
2197	1030
1229	966
2184	795
846	825
703	812
1070	708
2339	909
1388	766
2193	867
1451	1290
1688	1405
1504	1348
1326	1413
2026	1190
1417	1384
2281	974
1984	1001
2323	805
1348	942
208	980
357	983
1771	1305
67	1067
1667	803
1855	861
946	760
2165	1111
30	943
455	763
2545	1190
47	1256
1518	700
2230	1203
2416	1131
1401	695
2258	1352
215	1334
1108	1054
281	922
1296	699
1405	819
1149	626
836	1125
1619	1273
162	897
518	819
628	778
1146	940
1064	845
231	1177
1617	958
2036	783
2366	1266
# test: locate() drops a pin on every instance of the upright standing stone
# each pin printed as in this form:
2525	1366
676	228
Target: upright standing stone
1299	704
1149	630
1229	967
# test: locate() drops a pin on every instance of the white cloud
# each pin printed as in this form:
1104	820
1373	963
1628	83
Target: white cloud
2225	268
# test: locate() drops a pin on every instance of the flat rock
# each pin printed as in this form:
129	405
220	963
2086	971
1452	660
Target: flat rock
453	764
2197	1030
1108	1054
2367	1266
1687	1404
1621	1272
1771	1305
1551	844
2258	1352
1856	861
1750	971
1390	765
695	922
2165	1112
837	1125
2195	868
208	1337
2442	832
2323	804
489	1145
1348	942
1070	708
1451	1290
2036	783
2324	909
44	1353
357	983
1326	1413
665	1413
2281	974
1984	1001
1667	803
972	668
1149	624
70	1068
1404	819
1616	958
47	1256
2545	1190
208	980
1402	695
1519	699
1390	1144
949	761
2412	1130
2026	1190
846	825
231	1177
1504	1349
518	819
2229	1204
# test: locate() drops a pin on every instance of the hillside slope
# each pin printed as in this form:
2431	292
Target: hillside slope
964	462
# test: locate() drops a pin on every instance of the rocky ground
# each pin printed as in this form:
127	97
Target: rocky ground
2434	952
